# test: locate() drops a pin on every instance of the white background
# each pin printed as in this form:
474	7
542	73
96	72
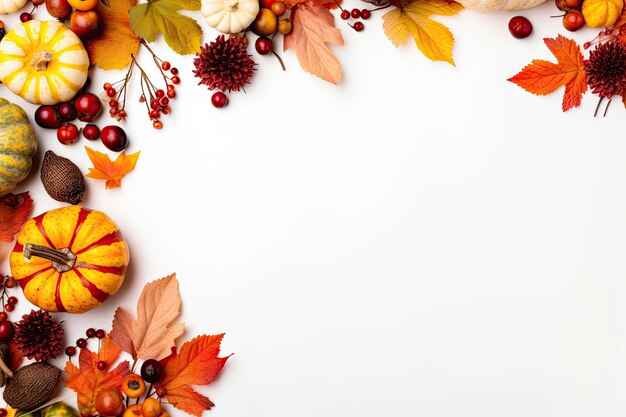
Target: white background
422	240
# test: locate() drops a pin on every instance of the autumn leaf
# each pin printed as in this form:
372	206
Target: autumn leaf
151	336
181	33
14	211
313	27
113	47
16	357
112	172
197	363
544	77
87	380
432	38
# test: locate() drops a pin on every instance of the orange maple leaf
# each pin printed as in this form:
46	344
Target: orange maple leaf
544	77
87	380
14	211
197	363
113	47
112	172
314	27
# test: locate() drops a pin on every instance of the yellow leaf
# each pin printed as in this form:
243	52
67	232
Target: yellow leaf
117	41
432	38
112	172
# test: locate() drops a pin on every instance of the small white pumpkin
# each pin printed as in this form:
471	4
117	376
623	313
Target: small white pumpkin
488	6
11	6
230	16
43	62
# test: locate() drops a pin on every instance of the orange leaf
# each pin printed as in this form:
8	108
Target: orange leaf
112	48
314	27
197	363
16	357
112	172
87	380
543	77
150	336
14	211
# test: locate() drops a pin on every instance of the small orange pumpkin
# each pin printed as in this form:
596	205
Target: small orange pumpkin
69	259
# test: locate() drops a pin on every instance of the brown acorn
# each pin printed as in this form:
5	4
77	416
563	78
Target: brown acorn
31	385
62	179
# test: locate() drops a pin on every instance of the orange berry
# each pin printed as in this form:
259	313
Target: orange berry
151	407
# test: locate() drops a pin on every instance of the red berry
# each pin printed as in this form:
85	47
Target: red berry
165	110
520	27
81	343
100	333
3	412
67	134
122	113
12	300
175	79
165	65
355	13
90	332
170	87
113	111
26	17
47	117
111	92
358	26
365	14
157	124
3	316
9	307
67	112
573	20
263	45
91	132
106	86
151	371
101	365
155	113
114	138
142	99
174	71
70	351
88	107
159	93
6	331
113	103
164	101
154	104
345	15
171	93
219	100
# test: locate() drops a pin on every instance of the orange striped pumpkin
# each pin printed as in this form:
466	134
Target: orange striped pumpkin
69	259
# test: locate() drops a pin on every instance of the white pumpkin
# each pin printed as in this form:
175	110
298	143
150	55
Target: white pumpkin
230	16
10	6
43	62
499	5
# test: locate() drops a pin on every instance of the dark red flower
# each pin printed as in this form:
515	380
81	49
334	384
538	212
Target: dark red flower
606	69
38	336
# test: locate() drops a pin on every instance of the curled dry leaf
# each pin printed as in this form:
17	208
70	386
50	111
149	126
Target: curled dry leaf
113	47
197	363
14	211
87	380
151	336
112	172
314	27
432	38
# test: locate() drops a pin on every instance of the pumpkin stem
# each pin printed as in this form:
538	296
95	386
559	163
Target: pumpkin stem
231	5
63	260
40	60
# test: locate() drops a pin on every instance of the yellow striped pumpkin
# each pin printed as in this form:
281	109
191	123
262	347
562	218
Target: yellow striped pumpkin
69	259
43	62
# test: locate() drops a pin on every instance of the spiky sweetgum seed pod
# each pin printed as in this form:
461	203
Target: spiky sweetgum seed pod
606	69
224	65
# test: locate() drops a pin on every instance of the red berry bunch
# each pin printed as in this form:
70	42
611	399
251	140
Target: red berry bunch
81	342
356	14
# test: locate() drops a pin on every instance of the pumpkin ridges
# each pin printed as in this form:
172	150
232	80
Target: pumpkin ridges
57	293
82	215
95	292
107	240
39	223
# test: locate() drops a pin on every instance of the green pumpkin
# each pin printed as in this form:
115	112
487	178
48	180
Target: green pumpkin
59	409
17	146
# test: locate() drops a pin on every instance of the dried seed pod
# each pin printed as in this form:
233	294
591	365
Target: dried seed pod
62	179
31	385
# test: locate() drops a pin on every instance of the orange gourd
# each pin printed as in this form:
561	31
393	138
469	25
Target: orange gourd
69	259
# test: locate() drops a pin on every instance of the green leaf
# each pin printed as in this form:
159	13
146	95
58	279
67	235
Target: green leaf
182	33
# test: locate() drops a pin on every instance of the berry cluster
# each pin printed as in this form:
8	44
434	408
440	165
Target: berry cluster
355	14
81	342
573	18
157	99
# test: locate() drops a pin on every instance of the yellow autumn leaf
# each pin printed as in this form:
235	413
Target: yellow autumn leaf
112	48
432	38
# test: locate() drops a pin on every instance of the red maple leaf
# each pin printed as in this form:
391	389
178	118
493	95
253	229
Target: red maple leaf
14	211
543	77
